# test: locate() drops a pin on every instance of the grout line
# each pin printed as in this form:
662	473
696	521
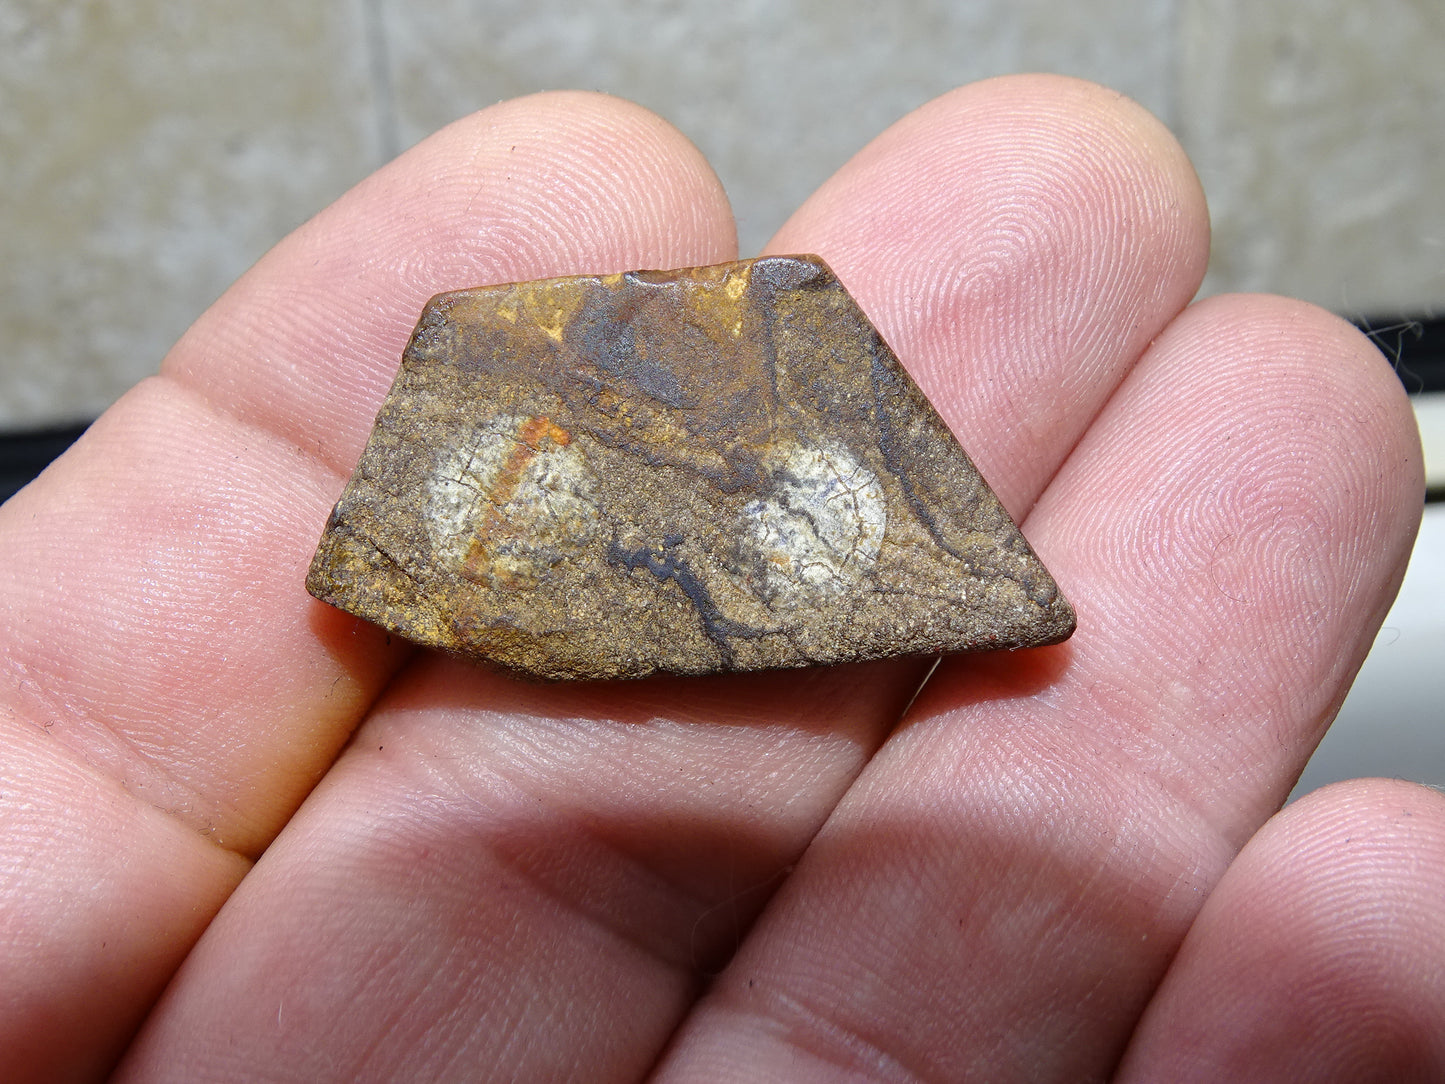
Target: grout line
378	57
1173	65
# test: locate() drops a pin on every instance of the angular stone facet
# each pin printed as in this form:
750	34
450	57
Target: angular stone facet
719	468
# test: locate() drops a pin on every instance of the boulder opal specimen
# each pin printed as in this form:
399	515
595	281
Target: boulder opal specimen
712	469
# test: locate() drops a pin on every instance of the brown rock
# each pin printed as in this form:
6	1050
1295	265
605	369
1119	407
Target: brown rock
718	468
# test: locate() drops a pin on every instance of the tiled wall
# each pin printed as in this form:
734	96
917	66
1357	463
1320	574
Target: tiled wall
150	151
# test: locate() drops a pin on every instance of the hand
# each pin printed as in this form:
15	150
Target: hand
1058	862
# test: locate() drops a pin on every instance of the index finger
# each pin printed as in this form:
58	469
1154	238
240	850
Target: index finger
173	693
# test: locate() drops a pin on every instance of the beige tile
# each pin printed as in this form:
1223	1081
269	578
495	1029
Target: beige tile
1317	131
778	95
149	152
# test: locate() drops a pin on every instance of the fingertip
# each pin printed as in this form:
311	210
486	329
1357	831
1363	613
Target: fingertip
619	187
1291	317
1034	131
307	342
1350	839
1318	956
1295	366
1018	242
1260	467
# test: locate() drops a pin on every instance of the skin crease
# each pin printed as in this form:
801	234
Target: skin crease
245	837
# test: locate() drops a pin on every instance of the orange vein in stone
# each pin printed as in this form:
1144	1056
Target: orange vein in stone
529	438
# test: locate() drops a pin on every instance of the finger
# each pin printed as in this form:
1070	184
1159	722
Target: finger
171	680
1320	954
207	677
529	880
1019	243
998	894
588	854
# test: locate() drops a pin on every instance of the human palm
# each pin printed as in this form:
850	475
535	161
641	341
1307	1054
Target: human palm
332	857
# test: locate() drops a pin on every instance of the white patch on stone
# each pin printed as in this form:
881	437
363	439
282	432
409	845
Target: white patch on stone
819	529
504	509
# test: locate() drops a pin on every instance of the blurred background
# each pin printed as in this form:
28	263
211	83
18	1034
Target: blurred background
151	151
